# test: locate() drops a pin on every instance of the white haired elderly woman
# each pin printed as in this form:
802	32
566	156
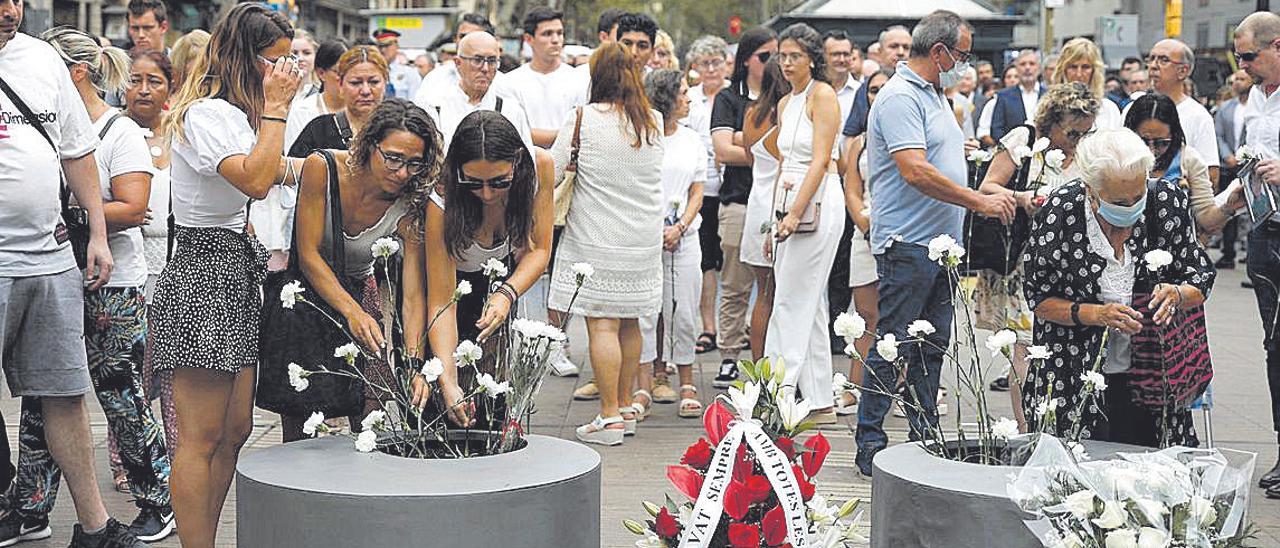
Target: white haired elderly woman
1083	265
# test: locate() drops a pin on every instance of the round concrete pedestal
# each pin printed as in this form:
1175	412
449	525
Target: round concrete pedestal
918	499
323	492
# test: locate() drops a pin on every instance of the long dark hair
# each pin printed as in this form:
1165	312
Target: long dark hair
811	42
747	46
772	89
615	80
395	114
487	135
1160	108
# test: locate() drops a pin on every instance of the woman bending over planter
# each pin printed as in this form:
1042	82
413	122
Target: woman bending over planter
1098	246
491	215
383	181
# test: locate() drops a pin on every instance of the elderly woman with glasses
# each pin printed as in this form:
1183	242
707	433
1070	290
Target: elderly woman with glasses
1084	264
1154	118
1066	113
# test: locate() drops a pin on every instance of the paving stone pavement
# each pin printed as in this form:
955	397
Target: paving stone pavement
636	470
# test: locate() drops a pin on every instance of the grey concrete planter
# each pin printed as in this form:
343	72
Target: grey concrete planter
918	499
323	492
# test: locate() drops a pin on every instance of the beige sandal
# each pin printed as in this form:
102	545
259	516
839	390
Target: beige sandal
642	409
690	408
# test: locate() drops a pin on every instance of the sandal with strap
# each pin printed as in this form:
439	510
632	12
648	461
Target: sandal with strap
628	425
847	402
690	408
642	409
598	432
706	342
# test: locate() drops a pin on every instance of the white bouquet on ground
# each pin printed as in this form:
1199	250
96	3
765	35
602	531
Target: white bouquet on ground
1177	497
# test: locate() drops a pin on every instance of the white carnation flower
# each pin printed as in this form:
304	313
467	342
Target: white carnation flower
888	347
838	382
493	387
1077	449
1246	153
374	420
979	155
367	441
464	288
384	248
920	328
850	325
1055	158
1041	145
314	423
432	369
1001	341
291	293
347	352
467	353
1005	428
494	268
1038	353
1157	259
1094	379
1019	154
939	246
583	271
298	377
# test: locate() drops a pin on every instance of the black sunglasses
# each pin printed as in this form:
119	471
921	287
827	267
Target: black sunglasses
1248	56
1157	143
497	183
395	162
764	56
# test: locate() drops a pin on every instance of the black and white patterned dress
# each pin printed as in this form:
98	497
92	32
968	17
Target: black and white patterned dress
1060	262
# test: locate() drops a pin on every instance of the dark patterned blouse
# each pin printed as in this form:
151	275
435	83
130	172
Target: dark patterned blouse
1059	262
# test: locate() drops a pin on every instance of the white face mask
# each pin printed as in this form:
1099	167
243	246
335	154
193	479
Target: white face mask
951	78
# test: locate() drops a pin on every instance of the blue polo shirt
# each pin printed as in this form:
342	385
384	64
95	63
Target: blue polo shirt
909	112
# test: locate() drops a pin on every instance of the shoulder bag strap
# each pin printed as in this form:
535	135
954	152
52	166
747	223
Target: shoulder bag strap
337	243
64	192
110	122
576	143
344	127
497	104
1019	181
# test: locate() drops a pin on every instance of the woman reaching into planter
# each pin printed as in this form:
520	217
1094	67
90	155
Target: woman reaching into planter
1085	262
383	181
495	206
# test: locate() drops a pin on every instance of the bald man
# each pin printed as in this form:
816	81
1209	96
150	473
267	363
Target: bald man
445	75
477	64
1169	66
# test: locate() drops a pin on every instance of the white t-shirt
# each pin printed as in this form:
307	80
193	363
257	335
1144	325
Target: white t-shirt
1197	124
29	167
123	150
547	98
984	118
215	130
1108	116
683	164
448	108
699	120
443	78
405	79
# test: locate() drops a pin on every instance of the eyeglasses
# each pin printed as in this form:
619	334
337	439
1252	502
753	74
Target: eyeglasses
496	183
396	162
1076	135
959	56
1157	144
478	62
791	58
1162	60
1248	56
711	63
763	56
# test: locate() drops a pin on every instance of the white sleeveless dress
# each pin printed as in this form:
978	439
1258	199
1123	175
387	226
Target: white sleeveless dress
764	170
799	328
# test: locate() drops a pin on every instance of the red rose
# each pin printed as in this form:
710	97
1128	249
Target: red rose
758	488
698	455
806	488
666	525
788	447
775	527
742	535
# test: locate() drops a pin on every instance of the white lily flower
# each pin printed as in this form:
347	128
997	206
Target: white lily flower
1001	341
1038	353
1080	503
1202	509
850	325
652	541
347	352
1005	428
744	401
1157	259
820	513
467	353
367	441
298	377
432	369
1154	510
313	424
384	248
1113	515
920	328
464	288
792	411
1122	538
1150	537
494	268
1041	145
888	347
376	419
1094	379
493	387
291	293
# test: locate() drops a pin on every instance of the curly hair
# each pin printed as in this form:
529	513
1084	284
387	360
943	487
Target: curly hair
487	135
1062	101
395	114
662	86
811	42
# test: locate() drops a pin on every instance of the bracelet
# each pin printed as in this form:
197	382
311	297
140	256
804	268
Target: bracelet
683	227
1075	314
275	119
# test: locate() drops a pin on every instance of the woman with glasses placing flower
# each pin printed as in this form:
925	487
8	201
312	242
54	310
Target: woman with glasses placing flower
1154	118
1084	262
384	180
489	224
1066	114
808	121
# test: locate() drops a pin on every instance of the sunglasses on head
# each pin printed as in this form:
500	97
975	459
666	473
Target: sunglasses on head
497	183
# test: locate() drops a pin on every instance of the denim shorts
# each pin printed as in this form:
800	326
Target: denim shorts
42	348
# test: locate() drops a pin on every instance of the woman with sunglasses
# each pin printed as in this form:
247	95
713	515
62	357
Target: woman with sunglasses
493	203
1154	118
227	123
384	181
1066	114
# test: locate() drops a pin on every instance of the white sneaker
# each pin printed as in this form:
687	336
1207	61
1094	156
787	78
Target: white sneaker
563	367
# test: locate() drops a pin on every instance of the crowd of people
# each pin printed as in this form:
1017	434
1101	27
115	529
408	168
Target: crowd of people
734	201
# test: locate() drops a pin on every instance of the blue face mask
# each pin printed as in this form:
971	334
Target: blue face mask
1121	216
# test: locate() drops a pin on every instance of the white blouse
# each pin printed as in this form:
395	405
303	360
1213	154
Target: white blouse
215	130
1116	282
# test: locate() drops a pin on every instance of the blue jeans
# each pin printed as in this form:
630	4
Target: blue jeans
1264	270
912	287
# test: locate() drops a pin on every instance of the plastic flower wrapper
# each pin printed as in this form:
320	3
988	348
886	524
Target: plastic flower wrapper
1175	497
